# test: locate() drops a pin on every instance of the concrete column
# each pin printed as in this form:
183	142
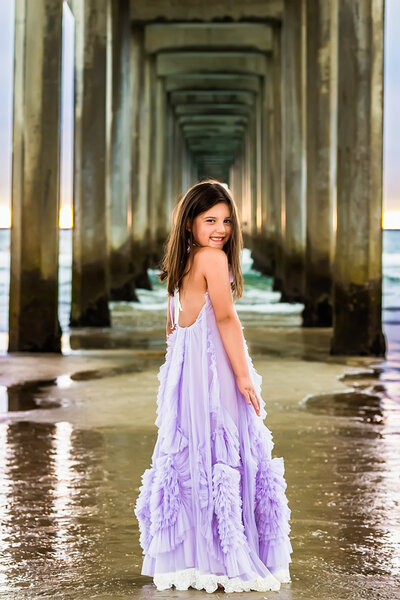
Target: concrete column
321	160
253	170
158	167
142	137
169	165
33	317
259	156
263	252
277	154
90	266
177	163
357	291
294	87
246	191
138	210
264	218
154	156
119	159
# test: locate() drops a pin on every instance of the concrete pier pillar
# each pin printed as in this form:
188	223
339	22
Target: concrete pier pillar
33	312
264	241
141	213
156	153
253	171
119	157
321	160
246	181
158	167
277	155
90	265
357	289
138	210
294	106
177	162
169	175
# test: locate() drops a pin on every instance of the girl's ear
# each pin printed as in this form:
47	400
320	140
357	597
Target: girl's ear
188	224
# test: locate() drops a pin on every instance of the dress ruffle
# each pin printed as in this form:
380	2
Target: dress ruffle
192	577
193	491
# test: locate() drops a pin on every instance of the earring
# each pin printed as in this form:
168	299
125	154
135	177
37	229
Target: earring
188	247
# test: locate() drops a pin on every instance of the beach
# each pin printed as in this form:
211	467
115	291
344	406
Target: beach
77	431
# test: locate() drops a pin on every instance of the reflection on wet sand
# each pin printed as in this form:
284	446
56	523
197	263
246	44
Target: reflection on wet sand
74	442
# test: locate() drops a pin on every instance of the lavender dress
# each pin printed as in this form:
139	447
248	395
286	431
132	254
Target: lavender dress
212	507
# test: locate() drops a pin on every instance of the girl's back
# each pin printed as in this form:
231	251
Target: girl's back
193	288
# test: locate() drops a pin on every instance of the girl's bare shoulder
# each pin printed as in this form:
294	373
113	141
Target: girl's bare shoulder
211	257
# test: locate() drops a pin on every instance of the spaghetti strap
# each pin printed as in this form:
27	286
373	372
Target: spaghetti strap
177	306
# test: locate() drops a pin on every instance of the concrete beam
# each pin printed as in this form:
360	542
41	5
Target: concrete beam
212	109
211	97
206	10
207	81
229	120
233	36
195	130
175	63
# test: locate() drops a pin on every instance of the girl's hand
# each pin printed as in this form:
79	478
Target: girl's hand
169	330
246	387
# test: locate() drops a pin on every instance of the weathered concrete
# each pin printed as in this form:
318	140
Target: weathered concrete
33	312
294	149
195	10
158	218
176	63
245	93
138	257
357	279
212	81
90	269
160	37
277	154
262	243
119	159
321	50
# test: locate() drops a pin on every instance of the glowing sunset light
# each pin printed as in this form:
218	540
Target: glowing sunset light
66	217
5	217
391	219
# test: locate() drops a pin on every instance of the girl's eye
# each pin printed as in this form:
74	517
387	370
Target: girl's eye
209	220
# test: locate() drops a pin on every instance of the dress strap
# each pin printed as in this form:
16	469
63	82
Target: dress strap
175	308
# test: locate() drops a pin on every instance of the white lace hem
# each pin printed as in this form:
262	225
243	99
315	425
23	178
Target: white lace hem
186	578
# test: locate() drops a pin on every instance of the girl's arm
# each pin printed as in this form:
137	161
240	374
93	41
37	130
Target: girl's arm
169	329
215	268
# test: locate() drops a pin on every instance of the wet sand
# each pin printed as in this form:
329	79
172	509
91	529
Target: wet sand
80	431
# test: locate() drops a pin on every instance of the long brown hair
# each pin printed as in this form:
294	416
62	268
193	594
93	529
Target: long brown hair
200	197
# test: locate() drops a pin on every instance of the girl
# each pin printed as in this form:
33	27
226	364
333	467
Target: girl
212	508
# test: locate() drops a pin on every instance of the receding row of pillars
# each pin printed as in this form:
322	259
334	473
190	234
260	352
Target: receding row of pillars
297	116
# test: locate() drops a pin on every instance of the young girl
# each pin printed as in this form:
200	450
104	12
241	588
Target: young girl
212	508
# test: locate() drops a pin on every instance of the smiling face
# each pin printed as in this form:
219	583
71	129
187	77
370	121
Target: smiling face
212	227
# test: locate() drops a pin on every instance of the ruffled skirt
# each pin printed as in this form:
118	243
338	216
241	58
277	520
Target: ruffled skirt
212	507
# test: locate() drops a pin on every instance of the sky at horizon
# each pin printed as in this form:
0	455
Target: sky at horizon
391	149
